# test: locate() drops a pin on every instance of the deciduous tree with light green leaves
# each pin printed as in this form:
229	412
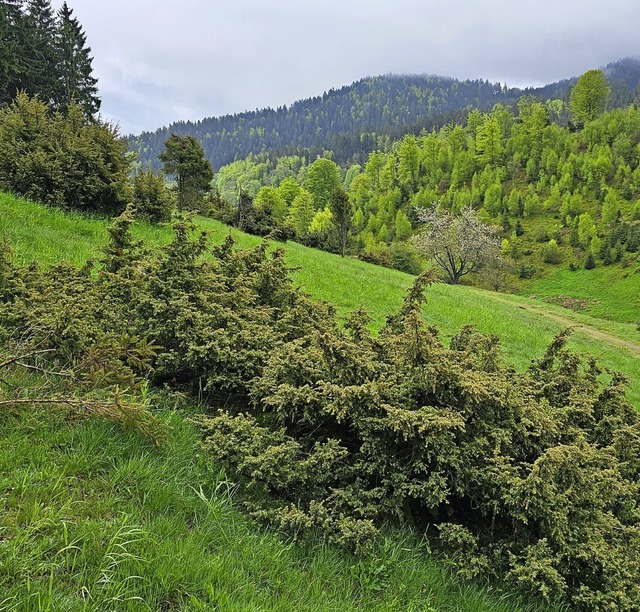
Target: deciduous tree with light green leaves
301	214
270	202
589	96
323	176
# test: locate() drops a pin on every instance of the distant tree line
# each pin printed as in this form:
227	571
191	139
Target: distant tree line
559	180
45	53
368	115
350	121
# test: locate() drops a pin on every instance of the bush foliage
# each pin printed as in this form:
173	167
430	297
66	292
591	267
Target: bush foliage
533	476
63	160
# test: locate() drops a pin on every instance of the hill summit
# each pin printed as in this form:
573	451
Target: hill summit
356	119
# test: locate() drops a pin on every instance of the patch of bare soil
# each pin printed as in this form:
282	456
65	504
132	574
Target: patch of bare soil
572	303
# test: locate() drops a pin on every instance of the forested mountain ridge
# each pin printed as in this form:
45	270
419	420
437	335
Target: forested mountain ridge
356	119
560	183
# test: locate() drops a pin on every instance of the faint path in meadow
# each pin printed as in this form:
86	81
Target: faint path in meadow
567	321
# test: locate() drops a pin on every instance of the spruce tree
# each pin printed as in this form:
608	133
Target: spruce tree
76	78
183	158
43	53
12	49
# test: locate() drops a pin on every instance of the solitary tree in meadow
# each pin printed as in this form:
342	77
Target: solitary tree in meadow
458	244
183	158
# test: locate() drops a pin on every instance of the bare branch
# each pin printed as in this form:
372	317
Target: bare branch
44	370
25	356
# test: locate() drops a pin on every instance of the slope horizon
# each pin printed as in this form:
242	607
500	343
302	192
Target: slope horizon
349	122
523	87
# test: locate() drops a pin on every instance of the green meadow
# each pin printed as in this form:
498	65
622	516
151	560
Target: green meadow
93	517
525	326
609	292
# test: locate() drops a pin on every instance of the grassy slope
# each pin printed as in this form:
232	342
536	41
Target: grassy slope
94	518
91	517
49	236
613	292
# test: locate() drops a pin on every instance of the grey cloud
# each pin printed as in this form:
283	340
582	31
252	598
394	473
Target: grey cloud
158	61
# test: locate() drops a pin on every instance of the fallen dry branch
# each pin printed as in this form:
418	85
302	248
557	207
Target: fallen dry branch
116	409
16	359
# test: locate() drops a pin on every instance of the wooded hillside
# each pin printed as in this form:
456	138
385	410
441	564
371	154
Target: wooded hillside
354	120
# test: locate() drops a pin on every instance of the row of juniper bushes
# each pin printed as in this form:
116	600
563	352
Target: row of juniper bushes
530	476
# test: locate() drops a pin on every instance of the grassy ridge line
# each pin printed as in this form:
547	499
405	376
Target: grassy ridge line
94	518
49	236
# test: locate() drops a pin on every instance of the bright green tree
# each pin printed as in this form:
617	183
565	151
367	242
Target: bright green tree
342	213
474	123
373	168
610	209
353	171
409	162
586	229
301	214
489	141
589	96
403	226
270	202
288	190
533	117
183	158
323	177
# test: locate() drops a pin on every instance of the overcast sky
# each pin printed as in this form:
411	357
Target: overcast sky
160	61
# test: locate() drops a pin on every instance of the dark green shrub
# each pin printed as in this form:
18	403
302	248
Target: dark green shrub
526	271
62	160
151	198
590	261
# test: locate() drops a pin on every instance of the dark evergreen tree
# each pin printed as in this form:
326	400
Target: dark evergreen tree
590	262
244	212
12	49
43	54
342	211
75	68
183	158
